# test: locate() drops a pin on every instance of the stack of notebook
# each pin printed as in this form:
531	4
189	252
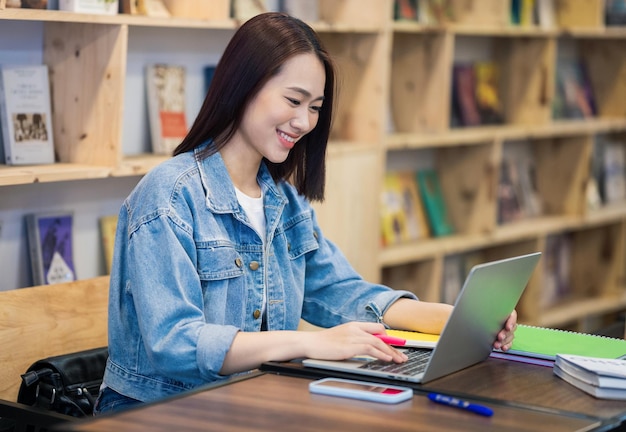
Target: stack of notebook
600	377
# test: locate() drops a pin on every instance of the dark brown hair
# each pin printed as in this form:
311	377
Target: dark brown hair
255	54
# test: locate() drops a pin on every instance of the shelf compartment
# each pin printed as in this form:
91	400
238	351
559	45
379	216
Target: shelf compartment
362	13
422	278
359	111
87	66
416	75
606	67
349	215
468	176
580	309
562	171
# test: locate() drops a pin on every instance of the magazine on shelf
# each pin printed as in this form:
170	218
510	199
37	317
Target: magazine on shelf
50	247
25	115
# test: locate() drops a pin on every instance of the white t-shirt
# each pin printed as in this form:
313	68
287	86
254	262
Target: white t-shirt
254	209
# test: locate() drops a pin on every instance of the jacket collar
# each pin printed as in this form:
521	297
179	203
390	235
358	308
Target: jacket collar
219	188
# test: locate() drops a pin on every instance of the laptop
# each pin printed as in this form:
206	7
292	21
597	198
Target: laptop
488	296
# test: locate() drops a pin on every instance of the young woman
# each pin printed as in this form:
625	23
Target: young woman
218	253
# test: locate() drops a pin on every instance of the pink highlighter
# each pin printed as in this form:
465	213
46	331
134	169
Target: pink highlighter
391	340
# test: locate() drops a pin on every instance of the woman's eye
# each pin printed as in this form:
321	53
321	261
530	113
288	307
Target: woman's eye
295	102
316	109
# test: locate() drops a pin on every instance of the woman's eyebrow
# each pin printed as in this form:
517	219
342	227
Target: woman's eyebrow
305	93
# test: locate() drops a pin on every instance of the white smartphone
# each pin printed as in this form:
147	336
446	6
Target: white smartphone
368	391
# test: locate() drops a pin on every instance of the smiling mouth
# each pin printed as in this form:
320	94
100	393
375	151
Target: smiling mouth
287	138
287	141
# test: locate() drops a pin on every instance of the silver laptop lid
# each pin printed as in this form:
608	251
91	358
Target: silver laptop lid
490	292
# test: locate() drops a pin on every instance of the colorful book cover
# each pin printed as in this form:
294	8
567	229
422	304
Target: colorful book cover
165	85
543	342
487	76
464	95
406	10
393	218
416	222
432	196
108	227
574	97
26	115
50	246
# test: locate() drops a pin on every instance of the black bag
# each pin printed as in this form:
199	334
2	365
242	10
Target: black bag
68	383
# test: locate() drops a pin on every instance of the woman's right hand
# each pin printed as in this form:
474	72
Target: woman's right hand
349	340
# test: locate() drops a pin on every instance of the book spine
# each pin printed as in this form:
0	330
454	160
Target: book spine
4	122
34	248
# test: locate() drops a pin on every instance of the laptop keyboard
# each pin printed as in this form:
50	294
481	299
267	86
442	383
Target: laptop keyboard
418	359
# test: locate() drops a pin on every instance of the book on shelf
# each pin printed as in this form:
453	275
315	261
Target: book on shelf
487	92
402	215
434	203
509	206
615	12
518	195
50	247
208	71
27	4
108	227
453	277
412	207
557	269
105	7
599	377
406	10
545	14
613	171
546	343
464	96
25	115
165	86
574	98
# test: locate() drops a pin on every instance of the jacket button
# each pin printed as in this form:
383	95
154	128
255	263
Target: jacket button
254	265
238	262
256	314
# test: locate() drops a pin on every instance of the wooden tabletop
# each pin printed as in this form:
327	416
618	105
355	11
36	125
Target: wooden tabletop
268	401
525	384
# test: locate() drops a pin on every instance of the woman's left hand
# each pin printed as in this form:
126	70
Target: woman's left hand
504	339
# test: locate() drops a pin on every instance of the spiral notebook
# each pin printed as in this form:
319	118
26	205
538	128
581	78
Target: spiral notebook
546	343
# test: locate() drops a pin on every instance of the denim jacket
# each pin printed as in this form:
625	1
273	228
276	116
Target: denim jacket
189	272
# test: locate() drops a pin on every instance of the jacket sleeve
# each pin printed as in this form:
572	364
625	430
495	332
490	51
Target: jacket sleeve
335	293
168	299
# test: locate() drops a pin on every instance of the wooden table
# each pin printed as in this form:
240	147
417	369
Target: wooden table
277	402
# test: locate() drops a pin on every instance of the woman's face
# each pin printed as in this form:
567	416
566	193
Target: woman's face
285	109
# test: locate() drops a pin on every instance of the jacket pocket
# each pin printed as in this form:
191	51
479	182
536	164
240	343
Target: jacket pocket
217	262
301	237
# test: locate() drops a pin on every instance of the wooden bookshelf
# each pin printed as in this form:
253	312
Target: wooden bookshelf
395	96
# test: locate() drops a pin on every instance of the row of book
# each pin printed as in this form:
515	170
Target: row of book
26	115
540	13
477	90
607	183
239	9
50	245
412	207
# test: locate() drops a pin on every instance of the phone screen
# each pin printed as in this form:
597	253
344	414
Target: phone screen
358	386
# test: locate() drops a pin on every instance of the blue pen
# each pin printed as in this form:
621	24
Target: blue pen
458	403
